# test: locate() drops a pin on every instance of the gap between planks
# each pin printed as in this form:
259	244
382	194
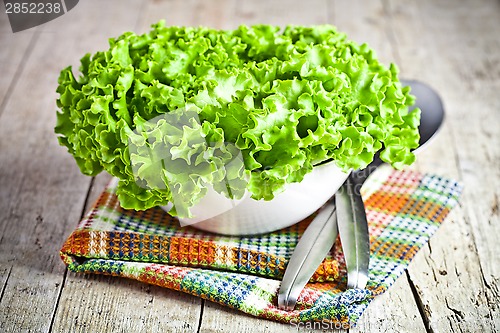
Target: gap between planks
4	286
420	305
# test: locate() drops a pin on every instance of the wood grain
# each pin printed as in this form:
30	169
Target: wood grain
103	304
451	286
455	292
110	304
42	191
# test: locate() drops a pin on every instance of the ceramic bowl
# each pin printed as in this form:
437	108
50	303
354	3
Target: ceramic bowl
218	214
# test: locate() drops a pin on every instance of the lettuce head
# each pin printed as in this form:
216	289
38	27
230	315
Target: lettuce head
179	110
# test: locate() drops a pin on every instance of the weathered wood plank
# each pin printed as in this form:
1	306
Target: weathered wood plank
39	199
457	277
42	192
476	64
454	46
99	303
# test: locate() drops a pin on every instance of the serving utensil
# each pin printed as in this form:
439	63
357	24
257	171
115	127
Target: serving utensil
345	212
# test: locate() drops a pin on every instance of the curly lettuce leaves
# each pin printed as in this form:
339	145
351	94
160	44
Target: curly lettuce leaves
177	155
178	110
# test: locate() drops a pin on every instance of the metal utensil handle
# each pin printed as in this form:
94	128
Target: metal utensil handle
353	231
312	248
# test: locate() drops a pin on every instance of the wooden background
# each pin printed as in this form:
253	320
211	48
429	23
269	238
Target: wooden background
452	285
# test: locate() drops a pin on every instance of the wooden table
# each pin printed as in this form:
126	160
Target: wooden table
451	286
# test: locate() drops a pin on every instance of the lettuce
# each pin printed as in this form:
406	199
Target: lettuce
178	110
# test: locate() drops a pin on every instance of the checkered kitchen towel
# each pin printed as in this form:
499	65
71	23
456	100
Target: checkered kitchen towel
404	209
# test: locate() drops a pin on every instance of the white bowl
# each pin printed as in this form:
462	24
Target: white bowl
218	214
